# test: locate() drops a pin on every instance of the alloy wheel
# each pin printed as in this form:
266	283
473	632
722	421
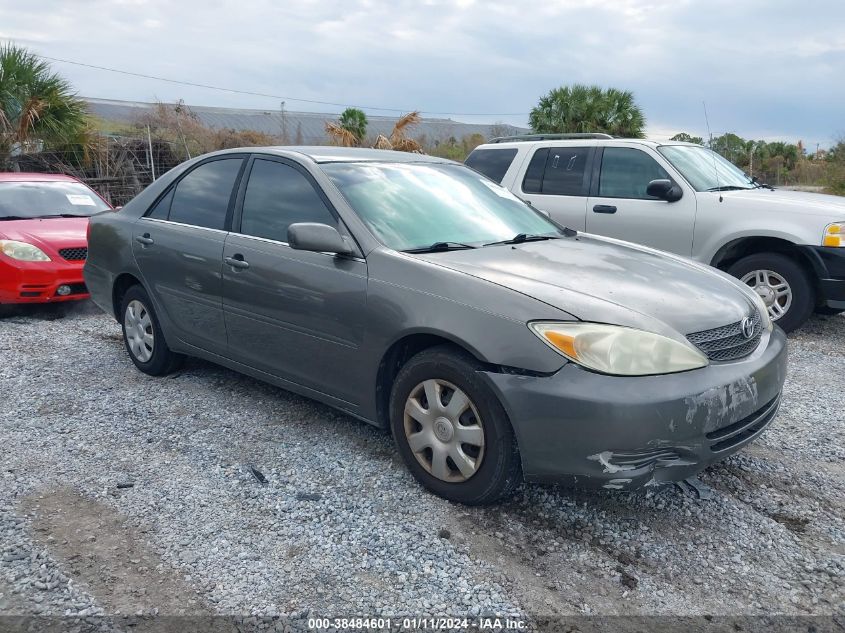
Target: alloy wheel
444	430
773	289
138	326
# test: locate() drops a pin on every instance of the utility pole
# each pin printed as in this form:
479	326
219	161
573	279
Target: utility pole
284	126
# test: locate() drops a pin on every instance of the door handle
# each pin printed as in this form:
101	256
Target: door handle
237	261
604	208
145	239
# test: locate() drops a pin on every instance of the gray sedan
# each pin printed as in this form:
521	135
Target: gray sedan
419	296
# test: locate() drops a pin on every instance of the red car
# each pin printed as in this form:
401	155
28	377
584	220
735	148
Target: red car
43	242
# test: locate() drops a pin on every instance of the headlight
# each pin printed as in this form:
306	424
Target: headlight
23	251
764	311
617	350
833	234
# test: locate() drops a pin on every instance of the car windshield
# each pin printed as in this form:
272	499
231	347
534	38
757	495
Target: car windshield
36	199
416	205
704	169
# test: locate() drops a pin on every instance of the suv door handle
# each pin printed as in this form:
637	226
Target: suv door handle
604	208
237	261
145	239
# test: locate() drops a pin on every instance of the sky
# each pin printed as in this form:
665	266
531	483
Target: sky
766	69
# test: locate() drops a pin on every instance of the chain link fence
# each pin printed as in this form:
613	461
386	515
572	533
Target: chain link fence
116	167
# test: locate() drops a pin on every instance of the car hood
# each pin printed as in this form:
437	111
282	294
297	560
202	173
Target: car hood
52	233
610	281
832	207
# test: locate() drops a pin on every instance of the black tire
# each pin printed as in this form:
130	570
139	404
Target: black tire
162	360
803	293
500	471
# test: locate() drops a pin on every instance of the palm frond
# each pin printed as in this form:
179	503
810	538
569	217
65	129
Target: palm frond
407	145
340	135
404	122
382	142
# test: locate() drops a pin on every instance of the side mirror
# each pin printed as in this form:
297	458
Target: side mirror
320	238
665	190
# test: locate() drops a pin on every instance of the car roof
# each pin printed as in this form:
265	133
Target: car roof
23	176
331	154
581	142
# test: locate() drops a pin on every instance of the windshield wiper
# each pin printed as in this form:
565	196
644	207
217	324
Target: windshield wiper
729	188
41	217
519	238
440	246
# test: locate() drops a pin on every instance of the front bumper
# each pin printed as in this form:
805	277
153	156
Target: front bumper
829	265
586	429
38	282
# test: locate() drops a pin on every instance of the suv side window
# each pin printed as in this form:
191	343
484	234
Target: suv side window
202	197
626	172
557	171
533	181
278	195
493	163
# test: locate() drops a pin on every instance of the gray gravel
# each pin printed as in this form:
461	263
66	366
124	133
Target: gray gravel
130	494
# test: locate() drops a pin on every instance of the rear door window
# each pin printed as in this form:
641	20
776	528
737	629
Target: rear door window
493	163
564	174
202	197
626	172
558	171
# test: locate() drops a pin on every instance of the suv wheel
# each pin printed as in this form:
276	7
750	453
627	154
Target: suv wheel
451	429
782	283
143	337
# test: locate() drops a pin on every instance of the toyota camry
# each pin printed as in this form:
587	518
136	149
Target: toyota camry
415	294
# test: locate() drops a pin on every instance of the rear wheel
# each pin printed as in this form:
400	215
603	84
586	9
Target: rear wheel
143	337
782	284
451	429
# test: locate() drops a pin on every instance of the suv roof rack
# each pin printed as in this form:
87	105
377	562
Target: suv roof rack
548	137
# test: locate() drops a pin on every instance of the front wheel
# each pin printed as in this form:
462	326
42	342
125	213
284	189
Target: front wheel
451	429
143	337
782	284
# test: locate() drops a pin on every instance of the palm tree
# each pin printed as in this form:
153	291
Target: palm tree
37	105
683	137
350	129
398	139
580	108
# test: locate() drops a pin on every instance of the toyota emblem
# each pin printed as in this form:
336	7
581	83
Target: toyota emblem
748	327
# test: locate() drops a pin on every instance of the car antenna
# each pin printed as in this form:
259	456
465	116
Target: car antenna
710	134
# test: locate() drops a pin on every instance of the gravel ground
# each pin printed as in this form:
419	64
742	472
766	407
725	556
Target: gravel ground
126	494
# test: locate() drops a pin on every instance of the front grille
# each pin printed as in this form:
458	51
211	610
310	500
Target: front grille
728	342
74	254
739	432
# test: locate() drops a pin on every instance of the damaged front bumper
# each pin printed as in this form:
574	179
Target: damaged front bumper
586	429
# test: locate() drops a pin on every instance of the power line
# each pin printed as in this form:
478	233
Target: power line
270	96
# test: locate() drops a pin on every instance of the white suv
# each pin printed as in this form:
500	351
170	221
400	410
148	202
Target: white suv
679	197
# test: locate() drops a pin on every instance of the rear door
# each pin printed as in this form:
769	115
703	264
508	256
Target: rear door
620	207
295	314
557	181
178	246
